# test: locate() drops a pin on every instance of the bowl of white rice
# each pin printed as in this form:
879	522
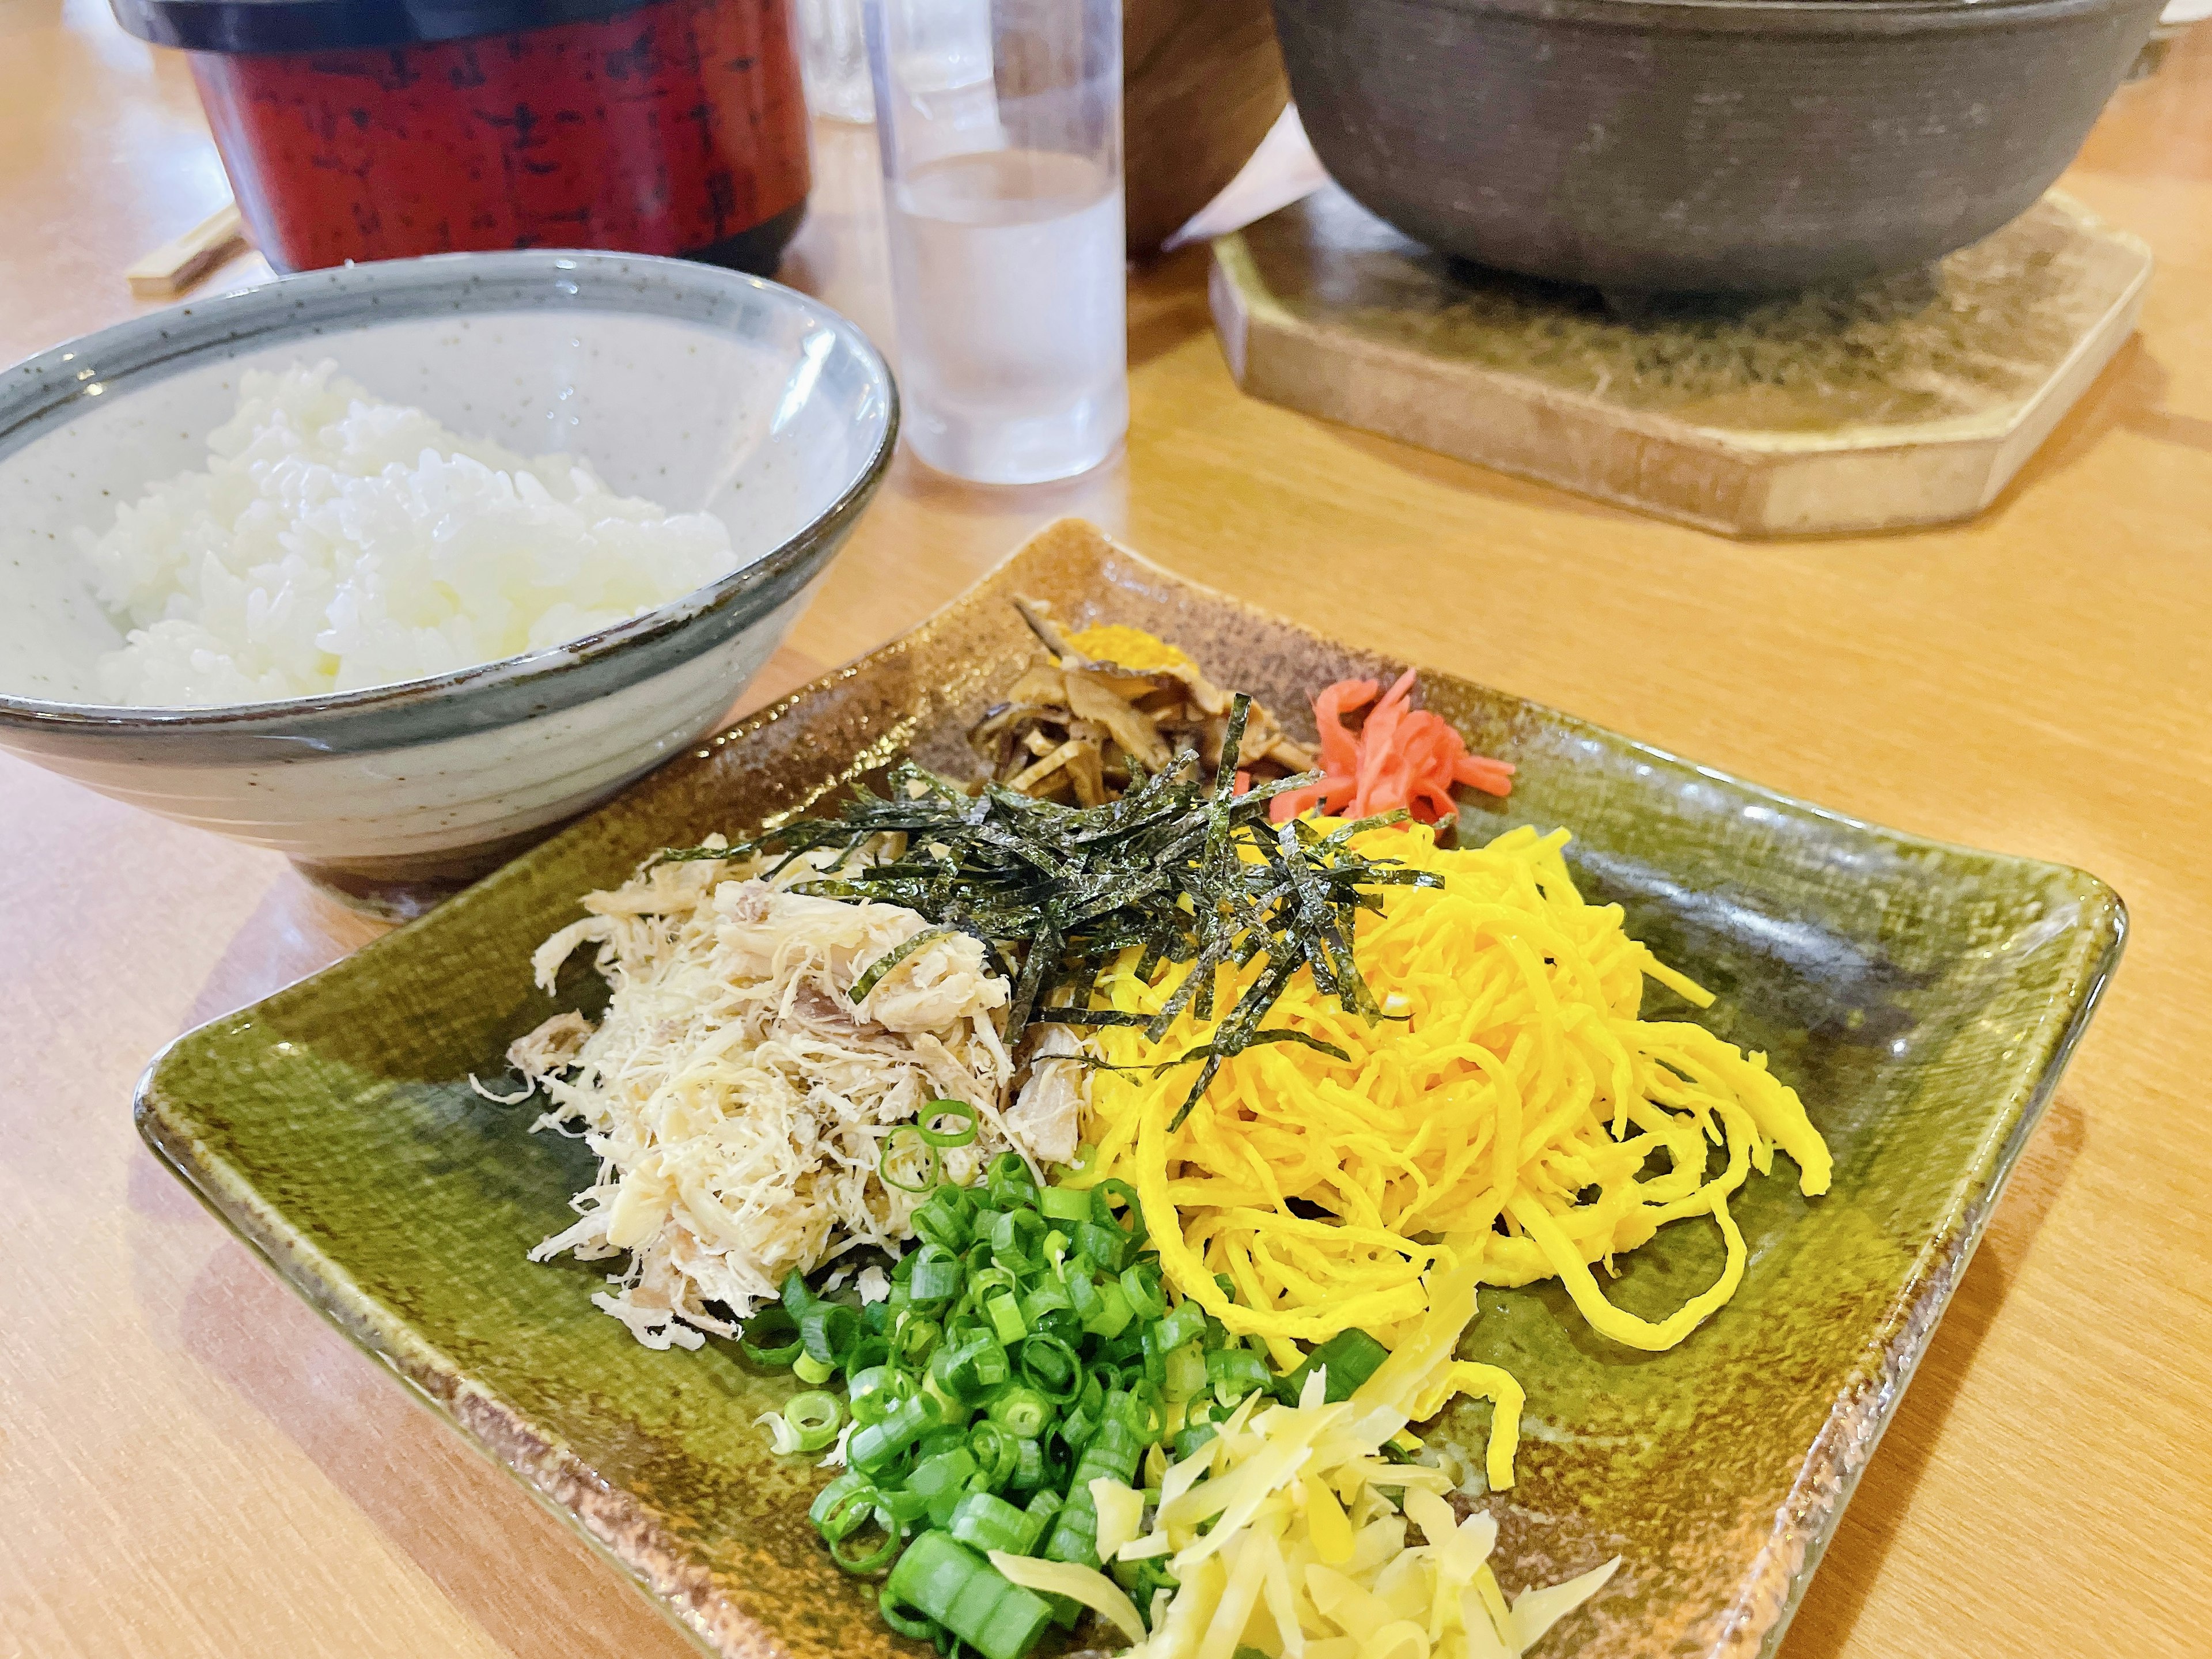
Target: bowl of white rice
395	569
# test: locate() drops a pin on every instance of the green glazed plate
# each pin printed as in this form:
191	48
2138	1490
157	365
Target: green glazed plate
1921	997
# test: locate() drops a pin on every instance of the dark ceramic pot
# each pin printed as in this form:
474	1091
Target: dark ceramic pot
1666	145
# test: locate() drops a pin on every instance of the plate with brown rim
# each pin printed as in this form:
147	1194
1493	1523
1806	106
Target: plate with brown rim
1922	999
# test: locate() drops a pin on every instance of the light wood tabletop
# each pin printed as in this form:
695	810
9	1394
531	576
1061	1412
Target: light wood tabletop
193	1467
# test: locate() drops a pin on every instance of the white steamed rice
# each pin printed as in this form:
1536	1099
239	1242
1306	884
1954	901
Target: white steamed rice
335	542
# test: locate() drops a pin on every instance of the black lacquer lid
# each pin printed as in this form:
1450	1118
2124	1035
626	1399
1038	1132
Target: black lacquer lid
243	25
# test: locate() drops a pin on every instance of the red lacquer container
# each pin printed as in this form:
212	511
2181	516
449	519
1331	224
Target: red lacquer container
381	128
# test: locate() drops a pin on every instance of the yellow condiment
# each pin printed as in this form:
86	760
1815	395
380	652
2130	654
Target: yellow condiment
1127	647
1507	1116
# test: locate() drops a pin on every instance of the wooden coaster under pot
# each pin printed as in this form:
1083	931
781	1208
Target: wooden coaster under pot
1908	400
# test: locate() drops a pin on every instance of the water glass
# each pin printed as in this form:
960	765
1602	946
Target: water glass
833	60
1000	123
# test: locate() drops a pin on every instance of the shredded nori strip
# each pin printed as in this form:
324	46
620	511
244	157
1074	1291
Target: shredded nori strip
1185	870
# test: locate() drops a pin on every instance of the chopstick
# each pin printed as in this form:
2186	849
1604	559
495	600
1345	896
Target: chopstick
175	265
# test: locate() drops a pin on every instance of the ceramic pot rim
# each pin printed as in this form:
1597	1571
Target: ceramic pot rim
1848	18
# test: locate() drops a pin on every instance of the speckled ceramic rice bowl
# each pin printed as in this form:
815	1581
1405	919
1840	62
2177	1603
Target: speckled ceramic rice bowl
694	386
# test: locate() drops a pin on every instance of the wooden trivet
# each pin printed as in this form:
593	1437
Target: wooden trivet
1909	400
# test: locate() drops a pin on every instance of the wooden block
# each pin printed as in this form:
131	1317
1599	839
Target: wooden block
1909	400
174	266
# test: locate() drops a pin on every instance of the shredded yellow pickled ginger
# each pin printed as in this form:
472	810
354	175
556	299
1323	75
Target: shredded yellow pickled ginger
1284	1540
1513	1097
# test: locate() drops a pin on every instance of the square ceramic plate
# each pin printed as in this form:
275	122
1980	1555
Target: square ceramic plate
1921	997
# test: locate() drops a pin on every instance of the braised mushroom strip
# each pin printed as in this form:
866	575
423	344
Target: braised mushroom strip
1115	705
1179	869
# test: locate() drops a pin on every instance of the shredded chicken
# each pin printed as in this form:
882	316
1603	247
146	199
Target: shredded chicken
1046	1114
741	1101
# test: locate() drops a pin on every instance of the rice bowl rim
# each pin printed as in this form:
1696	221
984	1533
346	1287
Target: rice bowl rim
43	391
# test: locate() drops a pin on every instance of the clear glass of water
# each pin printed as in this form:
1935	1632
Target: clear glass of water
833	60
1000	123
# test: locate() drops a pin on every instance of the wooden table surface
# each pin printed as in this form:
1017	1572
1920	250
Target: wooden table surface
192	1465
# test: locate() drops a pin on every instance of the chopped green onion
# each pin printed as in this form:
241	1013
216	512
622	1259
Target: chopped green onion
988	1522
1185	1323
1108	1246
936	1275
942	1221
1059	1323
874	1561
1015	1236
906	1509
1076	1430
1023	1410
1114	1313
1235	1372
1101	1209
871	1349
962	1136
948	1409
930	1163
1029	1467
1029	1348
875	1446
944	1438
771	1326
915	1338
1153	1575
1075	1534
1009	1184
1350	1357
967	1365
828	1510
984	1280
1082	1288
1052	1367
930	1577
1141	1411
877	1391
1113	1451
1193	1438
916	1628
993	1365
815	1418
1006	1318
1186	1371
997	1450
939	1480
1047	1298
1064	1204
940	1576
830	1330
796	1297
1143	1289
851	1509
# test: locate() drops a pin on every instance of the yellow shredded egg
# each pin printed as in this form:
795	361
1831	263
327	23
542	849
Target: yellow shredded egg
1514	1103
